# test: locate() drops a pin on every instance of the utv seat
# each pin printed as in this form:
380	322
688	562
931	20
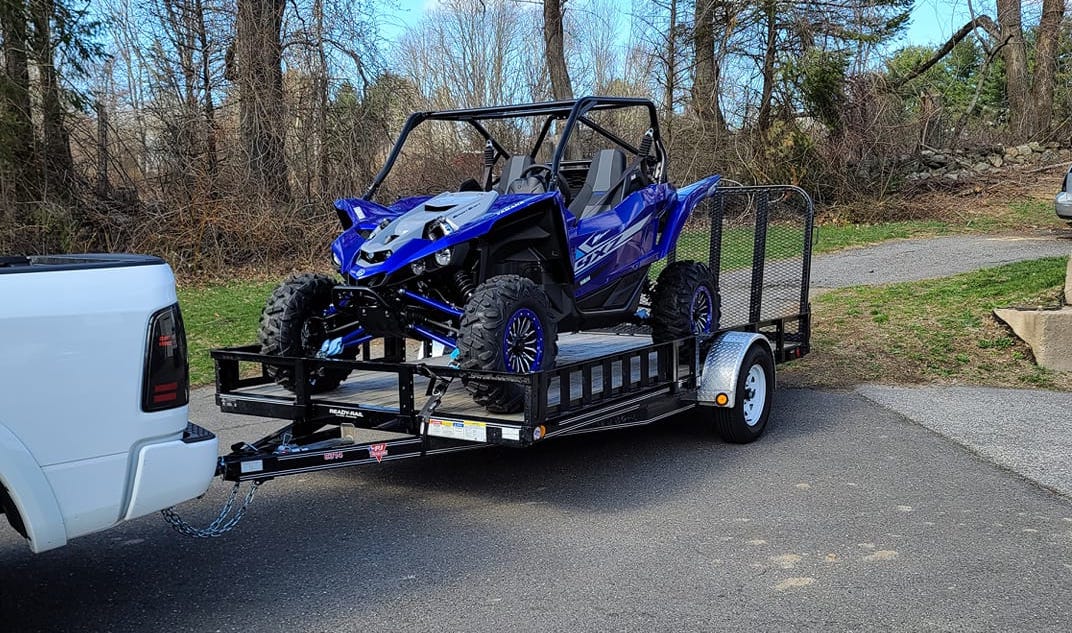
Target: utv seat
511	171
604	186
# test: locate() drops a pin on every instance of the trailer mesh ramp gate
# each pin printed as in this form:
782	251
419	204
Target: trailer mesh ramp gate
757	242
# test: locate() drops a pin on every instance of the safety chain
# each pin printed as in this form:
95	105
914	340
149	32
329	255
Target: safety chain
222	524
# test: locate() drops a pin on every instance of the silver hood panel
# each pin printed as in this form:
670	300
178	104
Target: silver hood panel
456	208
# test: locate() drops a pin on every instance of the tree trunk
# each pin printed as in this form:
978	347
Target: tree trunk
259	74
1045	66
555	49
1010	23
767	92
705	84
671	73
211	153
56	147
322	102
16	119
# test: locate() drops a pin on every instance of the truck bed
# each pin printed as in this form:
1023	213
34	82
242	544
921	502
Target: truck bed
55	263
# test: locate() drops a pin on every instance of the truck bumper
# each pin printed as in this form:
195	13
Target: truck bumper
173	472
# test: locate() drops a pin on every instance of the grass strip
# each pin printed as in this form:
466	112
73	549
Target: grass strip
940	330
220	316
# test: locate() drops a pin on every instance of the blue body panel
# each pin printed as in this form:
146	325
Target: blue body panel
619	241
687	199
604	247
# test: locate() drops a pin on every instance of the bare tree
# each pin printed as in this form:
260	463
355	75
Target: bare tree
592	42
16	117
555	49
707	75
1029	89
467	53
258	72
56	147
1042	84
1011	32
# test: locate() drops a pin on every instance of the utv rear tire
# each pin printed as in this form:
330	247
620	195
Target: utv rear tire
684	302
284	329
507	326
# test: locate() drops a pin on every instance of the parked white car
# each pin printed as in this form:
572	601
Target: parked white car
93	396
1064	198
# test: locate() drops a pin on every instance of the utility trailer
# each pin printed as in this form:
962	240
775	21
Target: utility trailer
757	242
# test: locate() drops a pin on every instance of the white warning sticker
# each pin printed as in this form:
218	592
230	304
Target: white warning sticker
458	430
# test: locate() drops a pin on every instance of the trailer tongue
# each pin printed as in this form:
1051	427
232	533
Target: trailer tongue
757	241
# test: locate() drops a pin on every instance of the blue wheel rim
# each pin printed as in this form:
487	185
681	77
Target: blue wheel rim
523	342
702	311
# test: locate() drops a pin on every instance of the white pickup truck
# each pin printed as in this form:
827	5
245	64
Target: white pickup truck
93	396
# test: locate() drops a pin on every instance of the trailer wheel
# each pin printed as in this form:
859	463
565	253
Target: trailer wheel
287	328
507	327
684	302
746	420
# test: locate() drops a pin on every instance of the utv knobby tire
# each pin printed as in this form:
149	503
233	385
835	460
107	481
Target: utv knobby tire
676	291
282	329
482	339
746	420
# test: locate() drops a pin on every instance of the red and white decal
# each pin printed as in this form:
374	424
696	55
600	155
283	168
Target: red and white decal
378	451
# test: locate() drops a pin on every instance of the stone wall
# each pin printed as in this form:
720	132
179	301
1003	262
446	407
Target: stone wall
969	164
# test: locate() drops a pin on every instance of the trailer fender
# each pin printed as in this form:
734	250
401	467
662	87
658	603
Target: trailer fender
31	494
722	366
680	210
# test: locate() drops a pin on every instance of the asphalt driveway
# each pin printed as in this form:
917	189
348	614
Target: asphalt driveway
878	509
845	517
929	258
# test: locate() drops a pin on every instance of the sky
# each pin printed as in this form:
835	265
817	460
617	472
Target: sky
933	21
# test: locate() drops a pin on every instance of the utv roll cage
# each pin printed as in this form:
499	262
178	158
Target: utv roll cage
573	111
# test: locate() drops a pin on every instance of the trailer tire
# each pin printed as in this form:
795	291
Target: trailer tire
684	303
746	420
507	326
284	329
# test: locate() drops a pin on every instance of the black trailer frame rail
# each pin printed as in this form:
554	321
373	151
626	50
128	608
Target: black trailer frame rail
631	387
608	391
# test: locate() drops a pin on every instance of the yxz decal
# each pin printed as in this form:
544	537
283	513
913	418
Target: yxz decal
592	249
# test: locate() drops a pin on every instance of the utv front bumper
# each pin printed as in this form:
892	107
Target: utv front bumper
379	311
398	312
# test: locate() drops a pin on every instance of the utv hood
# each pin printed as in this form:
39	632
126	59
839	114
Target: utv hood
430	220
429	226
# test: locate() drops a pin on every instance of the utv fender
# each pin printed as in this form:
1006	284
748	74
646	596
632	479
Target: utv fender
680	210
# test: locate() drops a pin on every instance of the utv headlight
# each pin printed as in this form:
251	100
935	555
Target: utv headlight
442	257
418	267
335	260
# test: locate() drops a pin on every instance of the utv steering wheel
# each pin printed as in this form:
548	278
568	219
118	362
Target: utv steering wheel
563	185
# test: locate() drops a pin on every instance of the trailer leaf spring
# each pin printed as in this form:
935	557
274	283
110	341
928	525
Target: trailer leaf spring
224	522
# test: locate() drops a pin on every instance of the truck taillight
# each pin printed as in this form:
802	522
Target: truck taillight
167	375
